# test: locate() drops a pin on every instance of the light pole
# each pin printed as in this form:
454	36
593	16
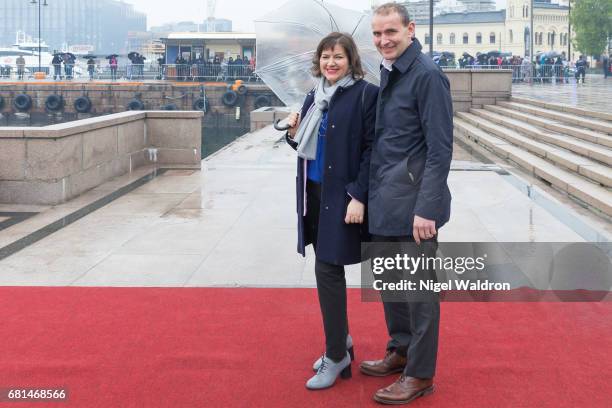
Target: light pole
531	33
569	30
40	3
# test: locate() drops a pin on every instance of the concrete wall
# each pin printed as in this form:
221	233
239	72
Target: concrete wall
477	87
52	164
262	117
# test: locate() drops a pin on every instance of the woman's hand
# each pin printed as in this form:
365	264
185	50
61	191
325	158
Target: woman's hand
354	212
293	120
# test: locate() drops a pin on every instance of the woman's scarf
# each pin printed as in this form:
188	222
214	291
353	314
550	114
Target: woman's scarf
308	131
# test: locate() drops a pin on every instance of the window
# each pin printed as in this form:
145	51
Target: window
492	38
439	39
465	38
427	40
478	38
510	37
452	38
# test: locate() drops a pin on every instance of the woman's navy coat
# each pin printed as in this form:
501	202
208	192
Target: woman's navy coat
350	132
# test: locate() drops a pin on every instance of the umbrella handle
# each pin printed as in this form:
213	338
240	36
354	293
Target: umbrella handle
280	128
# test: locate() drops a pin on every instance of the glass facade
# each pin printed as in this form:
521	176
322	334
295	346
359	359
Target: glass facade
104	24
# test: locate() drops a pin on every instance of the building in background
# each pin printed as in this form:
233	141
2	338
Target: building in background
500	30
478	5
216	25
419	9
209	46
100	24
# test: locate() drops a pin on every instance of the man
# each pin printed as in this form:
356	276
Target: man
581	66
57	66
20	67
409	199
605	64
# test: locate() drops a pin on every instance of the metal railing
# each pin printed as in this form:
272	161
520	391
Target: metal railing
141	72
533	73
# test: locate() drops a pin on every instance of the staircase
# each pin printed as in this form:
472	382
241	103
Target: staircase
569	148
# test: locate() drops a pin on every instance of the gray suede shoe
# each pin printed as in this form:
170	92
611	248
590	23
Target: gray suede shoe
328	372
349	347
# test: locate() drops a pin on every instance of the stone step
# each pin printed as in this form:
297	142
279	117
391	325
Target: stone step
591	194
603	126
550	124
564	108
580	147
557	156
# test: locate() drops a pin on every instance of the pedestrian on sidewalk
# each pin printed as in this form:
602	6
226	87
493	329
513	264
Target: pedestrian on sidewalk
57	66
20	67
91	67
409	199
112	62
333	140
581	66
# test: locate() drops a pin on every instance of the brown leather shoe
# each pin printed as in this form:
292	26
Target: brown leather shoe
391	364
404	390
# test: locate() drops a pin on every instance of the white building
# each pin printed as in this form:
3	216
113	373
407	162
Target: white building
501	30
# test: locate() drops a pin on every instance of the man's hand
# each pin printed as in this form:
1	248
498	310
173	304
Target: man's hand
354	212
293	120
423	229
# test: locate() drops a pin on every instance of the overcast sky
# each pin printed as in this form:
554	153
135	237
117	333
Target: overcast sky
241	12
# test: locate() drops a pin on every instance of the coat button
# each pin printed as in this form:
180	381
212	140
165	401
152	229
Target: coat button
327	207
333	126
329	167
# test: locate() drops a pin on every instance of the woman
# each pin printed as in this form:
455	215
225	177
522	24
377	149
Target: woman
333	141
113	67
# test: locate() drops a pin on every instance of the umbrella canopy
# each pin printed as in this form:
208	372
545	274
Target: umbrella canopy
287	40
550	54
111	56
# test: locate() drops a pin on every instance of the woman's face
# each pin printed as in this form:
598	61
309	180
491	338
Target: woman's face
334	63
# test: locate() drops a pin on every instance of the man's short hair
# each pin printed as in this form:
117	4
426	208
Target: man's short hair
392	7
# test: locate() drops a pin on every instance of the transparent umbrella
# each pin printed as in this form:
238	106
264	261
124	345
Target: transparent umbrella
287	39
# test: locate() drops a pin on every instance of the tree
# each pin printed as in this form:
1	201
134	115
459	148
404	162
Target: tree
592	22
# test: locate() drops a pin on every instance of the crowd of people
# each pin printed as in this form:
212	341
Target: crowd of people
200	68
547	67
68	60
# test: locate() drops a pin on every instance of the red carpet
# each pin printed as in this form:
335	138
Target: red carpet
254	348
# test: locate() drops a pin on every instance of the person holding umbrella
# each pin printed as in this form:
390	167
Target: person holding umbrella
112	62
57	66
333	142
91	66
69	60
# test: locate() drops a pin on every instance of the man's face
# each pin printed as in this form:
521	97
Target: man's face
391	37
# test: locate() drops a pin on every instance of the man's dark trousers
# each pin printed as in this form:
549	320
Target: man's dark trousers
414	326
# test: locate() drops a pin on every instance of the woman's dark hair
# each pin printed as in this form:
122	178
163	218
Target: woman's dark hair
346	41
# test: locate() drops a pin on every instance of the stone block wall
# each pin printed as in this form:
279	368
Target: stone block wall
472	88
52	164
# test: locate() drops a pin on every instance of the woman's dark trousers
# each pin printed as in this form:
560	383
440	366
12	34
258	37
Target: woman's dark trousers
331	283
